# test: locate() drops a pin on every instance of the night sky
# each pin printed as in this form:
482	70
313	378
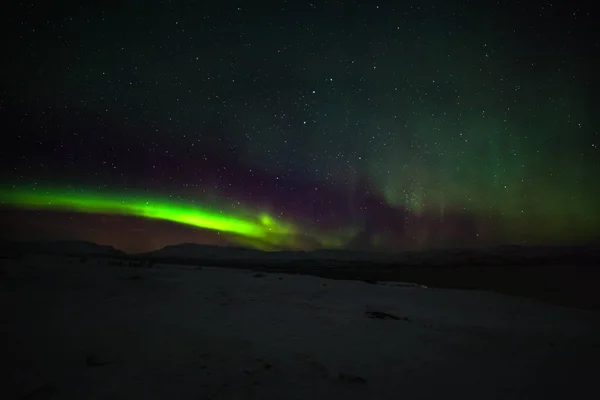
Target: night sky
301	125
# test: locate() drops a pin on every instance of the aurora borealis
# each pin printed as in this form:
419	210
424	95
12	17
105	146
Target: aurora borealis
299	125
262	228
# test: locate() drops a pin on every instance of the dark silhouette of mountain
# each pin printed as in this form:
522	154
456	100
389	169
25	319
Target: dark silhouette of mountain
199	253
503	255
64	247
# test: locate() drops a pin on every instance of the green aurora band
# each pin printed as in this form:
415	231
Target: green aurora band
259	229
262	231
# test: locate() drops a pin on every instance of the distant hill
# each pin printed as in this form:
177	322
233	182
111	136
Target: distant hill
200	251
64	247
503	255
218	255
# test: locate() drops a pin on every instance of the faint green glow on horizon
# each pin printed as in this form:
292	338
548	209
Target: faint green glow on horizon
263	230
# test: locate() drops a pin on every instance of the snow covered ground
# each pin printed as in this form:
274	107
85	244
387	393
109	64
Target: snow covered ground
97	331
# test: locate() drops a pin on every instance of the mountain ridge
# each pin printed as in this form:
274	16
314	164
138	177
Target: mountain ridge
192	252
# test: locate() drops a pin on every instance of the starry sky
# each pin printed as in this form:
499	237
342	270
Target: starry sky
381	126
